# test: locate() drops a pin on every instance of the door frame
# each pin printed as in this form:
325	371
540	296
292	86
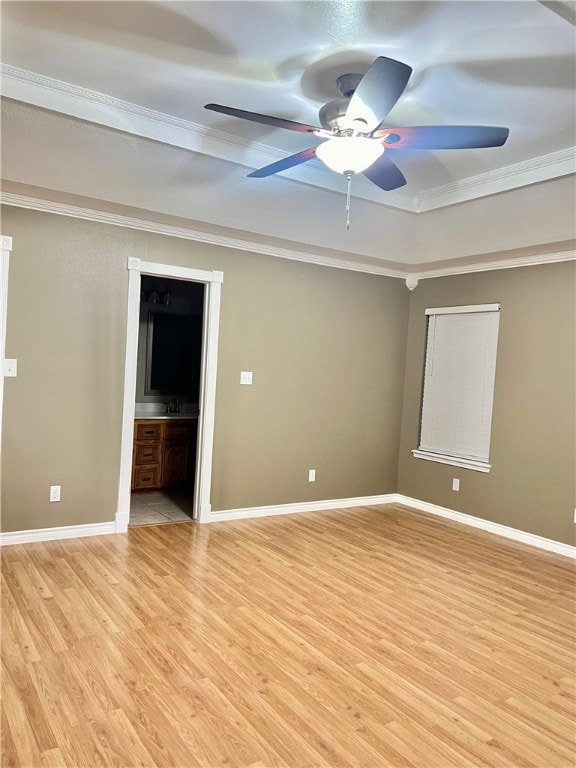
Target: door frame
5	250
207	400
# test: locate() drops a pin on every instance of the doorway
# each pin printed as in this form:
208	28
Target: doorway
146	389
167	400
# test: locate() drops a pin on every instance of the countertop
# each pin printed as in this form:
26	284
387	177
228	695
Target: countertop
165	416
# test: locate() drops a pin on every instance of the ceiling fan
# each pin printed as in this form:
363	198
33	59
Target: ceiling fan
355	141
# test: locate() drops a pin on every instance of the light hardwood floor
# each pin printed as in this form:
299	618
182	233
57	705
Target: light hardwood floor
371	637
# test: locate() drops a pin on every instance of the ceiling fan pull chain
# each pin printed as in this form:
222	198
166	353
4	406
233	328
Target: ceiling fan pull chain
349	177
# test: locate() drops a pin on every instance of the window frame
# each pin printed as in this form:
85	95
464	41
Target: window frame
475	461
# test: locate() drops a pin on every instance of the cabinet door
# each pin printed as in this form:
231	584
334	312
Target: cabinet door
147	453
145	478
148	430
175	464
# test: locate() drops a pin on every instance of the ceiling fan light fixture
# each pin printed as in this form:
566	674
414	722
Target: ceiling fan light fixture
349	154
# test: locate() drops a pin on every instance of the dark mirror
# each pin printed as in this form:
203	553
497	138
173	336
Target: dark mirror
173	355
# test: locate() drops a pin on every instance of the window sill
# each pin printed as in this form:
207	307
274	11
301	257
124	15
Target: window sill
455	461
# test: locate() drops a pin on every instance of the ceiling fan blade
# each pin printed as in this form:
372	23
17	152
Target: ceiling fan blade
285	163
443	137
255	117
385	174
378	91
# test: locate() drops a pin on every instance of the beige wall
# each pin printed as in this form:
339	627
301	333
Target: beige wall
531	485
327	348
331	389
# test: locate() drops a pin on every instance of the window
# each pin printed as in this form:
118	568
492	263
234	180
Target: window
459	385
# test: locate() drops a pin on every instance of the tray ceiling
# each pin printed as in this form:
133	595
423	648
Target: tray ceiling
103	107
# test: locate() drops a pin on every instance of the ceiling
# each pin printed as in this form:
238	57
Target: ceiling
103	109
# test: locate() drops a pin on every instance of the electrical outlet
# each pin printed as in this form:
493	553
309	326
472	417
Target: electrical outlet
311	475
455	484
54	493
246	377
10	368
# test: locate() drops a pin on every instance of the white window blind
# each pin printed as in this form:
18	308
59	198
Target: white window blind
459	385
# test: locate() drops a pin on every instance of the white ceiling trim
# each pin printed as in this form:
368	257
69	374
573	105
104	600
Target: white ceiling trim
411	278
489	266
104	217
550	166
67	98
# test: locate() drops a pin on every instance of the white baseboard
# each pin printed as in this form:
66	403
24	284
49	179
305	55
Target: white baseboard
487	525
120	525
62	532
122	520
304	506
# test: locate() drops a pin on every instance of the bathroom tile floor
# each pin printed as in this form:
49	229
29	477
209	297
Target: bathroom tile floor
160	507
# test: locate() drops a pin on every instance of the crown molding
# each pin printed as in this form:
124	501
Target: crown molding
542	168
410	277
102	109
225	241
488	266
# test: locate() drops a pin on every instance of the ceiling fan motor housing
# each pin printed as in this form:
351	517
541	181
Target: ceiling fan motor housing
333	114
333	118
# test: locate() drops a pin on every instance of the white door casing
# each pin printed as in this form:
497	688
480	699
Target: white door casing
5	249
212	281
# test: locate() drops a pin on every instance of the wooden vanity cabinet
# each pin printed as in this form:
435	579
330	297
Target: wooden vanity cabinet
176	451
164	453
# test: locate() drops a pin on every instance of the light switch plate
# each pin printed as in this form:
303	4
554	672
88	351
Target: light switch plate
10	368
245	377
